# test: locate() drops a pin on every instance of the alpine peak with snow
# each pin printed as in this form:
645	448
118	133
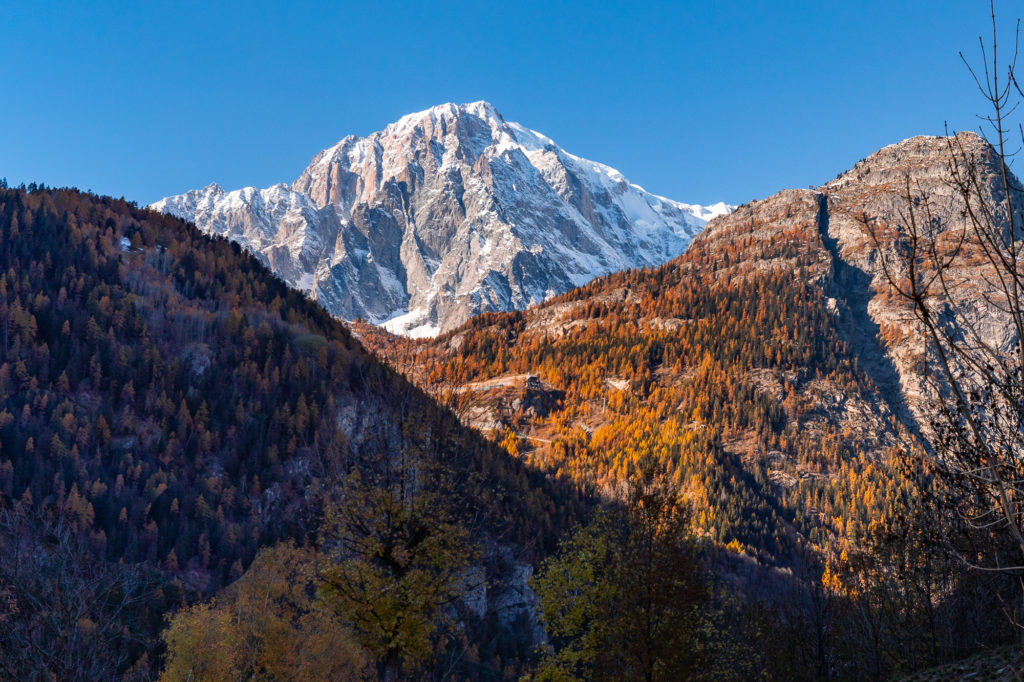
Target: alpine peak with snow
444	214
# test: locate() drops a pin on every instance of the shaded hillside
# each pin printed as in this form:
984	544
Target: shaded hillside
175	404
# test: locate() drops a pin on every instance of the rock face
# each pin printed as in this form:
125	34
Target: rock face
823	235
444	214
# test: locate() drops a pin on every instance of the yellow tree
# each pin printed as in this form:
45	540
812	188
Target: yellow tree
268	625
397	559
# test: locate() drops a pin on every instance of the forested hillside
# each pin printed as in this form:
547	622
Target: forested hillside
774	376
741	384
204	476
167	404
771	368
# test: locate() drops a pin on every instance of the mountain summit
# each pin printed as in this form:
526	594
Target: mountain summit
444	214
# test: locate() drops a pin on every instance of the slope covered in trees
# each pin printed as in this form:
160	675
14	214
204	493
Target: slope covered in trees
174	406
730	367
771	367
773	376
172	411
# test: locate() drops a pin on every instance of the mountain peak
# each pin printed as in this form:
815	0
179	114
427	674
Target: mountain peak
480	109
445	213
449	112
911	156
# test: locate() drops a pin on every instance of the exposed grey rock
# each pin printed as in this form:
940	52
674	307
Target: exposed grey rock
832	246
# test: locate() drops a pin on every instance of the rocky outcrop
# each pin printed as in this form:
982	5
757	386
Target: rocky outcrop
444	214
823	236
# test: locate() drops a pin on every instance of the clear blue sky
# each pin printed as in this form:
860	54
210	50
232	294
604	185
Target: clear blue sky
698	101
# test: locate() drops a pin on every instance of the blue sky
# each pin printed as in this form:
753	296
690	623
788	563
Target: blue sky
697	101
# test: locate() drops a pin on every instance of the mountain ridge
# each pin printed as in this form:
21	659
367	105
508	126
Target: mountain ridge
774	342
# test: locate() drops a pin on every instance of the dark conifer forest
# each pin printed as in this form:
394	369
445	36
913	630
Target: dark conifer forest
169	407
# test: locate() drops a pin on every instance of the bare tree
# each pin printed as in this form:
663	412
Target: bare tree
961	273
64	615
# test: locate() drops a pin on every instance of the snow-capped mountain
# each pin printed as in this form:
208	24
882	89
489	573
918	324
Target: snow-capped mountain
444	214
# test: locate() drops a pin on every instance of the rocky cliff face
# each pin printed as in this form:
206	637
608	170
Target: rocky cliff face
444	214
823	235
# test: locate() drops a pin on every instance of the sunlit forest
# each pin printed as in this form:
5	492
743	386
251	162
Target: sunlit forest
729	371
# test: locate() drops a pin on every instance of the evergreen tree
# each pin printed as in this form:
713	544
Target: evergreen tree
623	598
